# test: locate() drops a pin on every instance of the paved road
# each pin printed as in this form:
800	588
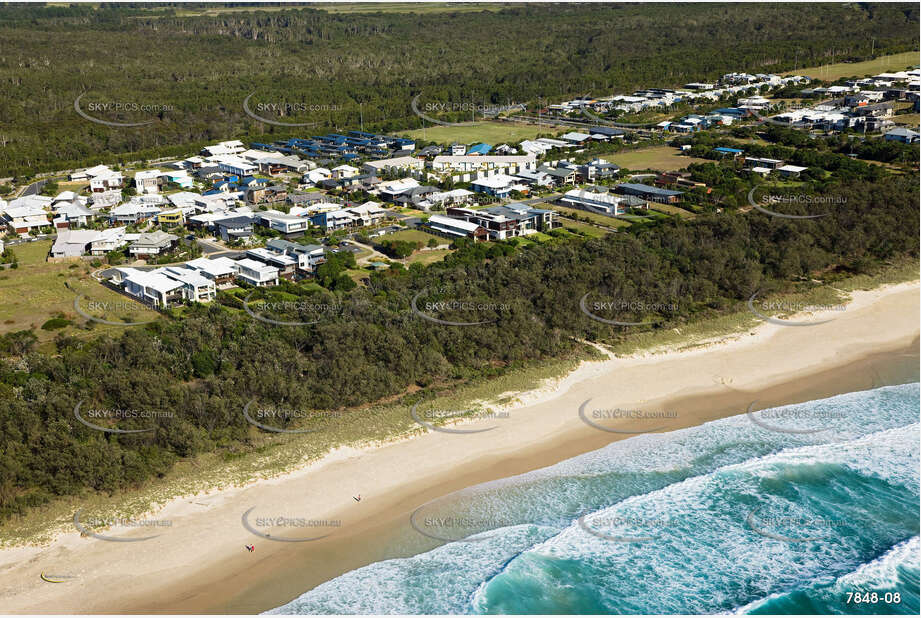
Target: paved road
34	188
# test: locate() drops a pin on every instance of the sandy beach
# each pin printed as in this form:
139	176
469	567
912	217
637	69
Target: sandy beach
198	563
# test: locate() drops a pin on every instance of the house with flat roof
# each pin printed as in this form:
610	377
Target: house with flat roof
147	181
239	227
646	192
220	270
601	201
282	222
256	273
196	288
308	256
499	185
286	264
150	287
771	164
507	221
452	227
791	171
335	219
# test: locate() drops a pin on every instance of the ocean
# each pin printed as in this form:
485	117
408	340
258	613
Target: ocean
804	509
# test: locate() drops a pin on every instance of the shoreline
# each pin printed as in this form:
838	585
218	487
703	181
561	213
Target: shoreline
199	565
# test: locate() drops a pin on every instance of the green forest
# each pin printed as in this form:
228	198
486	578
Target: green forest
343	71
204	367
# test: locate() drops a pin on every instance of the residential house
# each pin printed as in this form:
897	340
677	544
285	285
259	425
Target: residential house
25	218
442	199
416	197
237	166
601	201
369	213
72	243
282	222
171	218
651	194
343	171
152	244
256	273
153	288
508	221
452	227
791	171
133	212
906	136
308	256
399	164
108	240
196	288
335	220
499	185
231	147
771	164
285	264
238	227
72	214
147	181
220	270
391	189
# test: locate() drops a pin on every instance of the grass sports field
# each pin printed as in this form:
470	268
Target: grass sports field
493	133
883	64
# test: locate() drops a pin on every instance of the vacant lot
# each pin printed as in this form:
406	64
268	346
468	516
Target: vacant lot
591	216
38	291
427	257
413	236
489	132
661	158
883	64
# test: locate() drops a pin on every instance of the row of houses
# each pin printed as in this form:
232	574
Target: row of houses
198	280
762	165
696	92
75	243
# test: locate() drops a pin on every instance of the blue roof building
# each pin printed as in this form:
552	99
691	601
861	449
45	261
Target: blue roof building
479	149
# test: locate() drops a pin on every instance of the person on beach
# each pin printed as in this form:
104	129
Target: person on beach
357	498
250	548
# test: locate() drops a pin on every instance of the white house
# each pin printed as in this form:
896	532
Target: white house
195	287
153	287
147	181
220	270
282	222
256	273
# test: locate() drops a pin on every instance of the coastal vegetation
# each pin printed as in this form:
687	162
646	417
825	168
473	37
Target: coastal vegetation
189	71
376	343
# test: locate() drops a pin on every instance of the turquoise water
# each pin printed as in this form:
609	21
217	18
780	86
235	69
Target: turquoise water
727	517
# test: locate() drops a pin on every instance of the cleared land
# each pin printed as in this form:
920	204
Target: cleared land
662	158
883	64
412	236
591	216
489	132
427	257
38	291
